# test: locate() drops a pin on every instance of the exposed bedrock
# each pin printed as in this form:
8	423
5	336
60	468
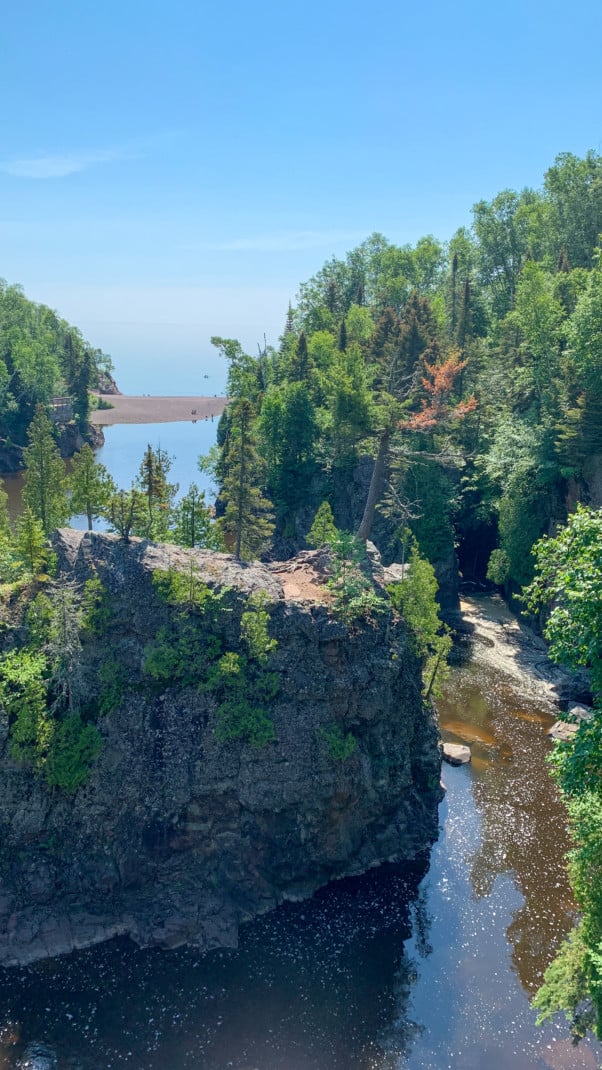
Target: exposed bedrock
178	837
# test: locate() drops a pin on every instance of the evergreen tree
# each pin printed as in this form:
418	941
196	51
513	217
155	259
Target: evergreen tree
44	489
323	530
193	522
82	383
91	486
300	362
247	519
158	494
126	511
31	541
343	335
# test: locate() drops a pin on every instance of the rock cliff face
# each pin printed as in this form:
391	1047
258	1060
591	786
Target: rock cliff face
178	837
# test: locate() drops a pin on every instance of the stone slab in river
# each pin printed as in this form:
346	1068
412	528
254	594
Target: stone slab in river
456	753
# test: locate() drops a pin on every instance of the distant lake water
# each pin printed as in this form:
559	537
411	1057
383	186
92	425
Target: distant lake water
183	442
123	451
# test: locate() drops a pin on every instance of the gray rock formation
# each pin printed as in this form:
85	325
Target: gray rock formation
177	837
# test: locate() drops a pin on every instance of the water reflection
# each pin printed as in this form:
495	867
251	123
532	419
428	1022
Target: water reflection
123	451
523	821
313	985
376	973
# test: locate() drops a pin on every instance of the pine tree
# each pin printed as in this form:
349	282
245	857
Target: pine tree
323	529
91	486
125	511
194	525
83	380
44	489
247	519
300	362
158	494
31	541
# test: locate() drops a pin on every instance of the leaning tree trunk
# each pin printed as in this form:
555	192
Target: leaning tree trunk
376	486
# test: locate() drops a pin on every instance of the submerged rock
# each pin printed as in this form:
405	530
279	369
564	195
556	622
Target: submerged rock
178	837
38	1056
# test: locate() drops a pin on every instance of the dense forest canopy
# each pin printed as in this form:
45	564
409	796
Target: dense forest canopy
41	357
470	371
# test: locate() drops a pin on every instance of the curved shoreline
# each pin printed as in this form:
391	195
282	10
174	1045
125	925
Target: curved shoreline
144	409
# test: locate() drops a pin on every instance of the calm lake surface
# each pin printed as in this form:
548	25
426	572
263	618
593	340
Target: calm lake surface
123	451
397	970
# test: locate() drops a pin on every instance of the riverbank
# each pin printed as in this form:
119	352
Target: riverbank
144	409
507	645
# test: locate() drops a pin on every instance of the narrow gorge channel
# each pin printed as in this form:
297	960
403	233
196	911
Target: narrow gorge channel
396	969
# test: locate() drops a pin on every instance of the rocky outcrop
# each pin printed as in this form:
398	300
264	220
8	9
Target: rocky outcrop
71	440
178	837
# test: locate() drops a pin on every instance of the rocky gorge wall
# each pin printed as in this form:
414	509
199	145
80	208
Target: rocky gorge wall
180	836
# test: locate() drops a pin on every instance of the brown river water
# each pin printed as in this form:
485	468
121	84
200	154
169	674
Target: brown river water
402	968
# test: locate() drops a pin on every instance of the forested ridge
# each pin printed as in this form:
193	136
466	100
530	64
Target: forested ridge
41	357
471	371
470	375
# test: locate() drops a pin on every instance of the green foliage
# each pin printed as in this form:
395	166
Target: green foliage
126	512
355	598
40	356
340	744
566	987
188	592
31	543
254	628
181	653
91	486
193	524
23	688
44	489
74	747
192	650
43	690
415	599
498	567
96	608
323	530
568	586
152	518
246	522
184	649
287	431
244	692
568	582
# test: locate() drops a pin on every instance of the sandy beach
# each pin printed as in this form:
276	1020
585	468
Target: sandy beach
156	410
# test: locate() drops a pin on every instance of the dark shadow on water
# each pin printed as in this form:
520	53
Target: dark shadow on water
319	984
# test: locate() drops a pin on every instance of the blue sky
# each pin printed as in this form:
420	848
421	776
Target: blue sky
172	171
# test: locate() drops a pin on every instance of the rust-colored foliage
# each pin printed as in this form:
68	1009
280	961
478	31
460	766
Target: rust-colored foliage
438	383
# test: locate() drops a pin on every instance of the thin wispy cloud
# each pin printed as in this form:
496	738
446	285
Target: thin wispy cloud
289	241
60	165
